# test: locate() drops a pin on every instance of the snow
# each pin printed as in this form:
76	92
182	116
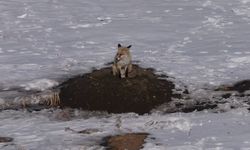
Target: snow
22	16
49	34
197	130
39	85
241	60
201	43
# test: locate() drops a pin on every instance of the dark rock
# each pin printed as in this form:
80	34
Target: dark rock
6	139
102	91
88	131
85	131
240	86
186	91
198	107
227	95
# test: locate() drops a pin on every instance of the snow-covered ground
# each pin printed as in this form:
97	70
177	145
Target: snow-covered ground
193	131
199	42
196	41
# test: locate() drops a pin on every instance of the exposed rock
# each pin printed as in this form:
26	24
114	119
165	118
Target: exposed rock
85	131
239	91
240	86
130	141
101	91
6	139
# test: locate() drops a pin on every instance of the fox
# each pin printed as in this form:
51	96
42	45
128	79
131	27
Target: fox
122	62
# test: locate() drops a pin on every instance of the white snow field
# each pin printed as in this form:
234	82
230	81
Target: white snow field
192	131
201	43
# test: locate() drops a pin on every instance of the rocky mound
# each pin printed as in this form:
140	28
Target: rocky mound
101	91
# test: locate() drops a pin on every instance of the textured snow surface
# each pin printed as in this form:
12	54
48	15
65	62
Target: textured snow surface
45	130
199	42
196	41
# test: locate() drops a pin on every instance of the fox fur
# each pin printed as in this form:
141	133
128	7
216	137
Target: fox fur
122	62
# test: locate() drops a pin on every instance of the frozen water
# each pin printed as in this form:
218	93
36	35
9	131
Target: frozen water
199	42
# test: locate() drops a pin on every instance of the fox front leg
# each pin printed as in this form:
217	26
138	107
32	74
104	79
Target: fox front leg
114	69
123	71
120	70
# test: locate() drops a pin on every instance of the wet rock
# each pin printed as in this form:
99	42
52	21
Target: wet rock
238	91
130	141
5	139
226	95
240	86
199	107
88	131
101	91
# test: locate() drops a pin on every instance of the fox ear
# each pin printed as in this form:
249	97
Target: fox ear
129	46
119	45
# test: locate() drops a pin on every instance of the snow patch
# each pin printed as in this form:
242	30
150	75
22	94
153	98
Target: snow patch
39	85
11	51
81	26
79	45
182	124
216	21
22	16
166	11
245	59
207	3
203	52
245	1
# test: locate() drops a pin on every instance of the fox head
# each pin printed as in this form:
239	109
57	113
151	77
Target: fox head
122	51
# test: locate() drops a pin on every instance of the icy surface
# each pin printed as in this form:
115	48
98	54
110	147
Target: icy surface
199	42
